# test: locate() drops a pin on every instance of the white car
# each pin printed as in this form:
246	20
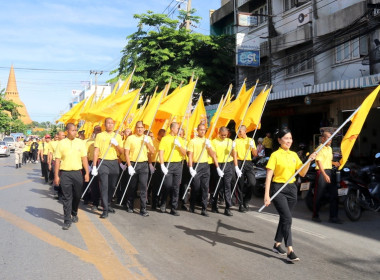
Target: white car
10	141
4	149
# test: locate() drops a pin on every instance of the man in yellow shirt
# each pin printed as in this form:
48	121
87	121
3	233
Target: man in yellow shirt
268	144
43	150
70	156
106	147
51	159
323	182
222	147
245	145
201	175
173	172
138	168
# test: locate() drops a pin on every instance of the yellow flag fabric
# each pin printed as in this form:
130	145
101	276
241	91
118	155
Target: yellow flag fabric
149	113
231	110
138	115
125	87
357	122
254	112
176	103
198	116
72	114
89	104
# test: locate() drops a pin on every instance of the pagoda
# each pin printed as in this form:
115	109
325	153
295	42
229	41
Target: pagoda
11	93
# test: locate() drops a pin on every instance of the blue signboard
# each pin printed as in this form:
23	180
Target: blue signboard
248	58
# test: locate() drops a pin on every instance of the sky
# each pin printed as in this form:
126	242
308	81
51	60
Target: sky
53	44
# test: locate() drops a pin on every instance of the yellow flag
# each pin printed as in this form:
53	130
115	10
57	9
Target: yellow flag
176	103
138	115
148	114
357	122
90	103
254	112
198	116
70	116
125	87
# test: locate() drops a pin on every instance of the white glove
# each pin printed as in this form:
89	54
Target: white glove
177	143
192	172
131	170
208	143
251	144
94	171
122	166
238	171
114	142
220	172
146	139
151	168
164	169
233	144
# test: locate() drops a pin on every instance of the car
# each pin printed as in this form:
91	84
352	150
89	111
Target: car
10	142
4	149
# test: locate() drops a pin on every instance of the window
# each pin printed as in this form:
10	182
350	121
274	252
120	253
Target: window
289	4
299	62
261	13
347	50
228	30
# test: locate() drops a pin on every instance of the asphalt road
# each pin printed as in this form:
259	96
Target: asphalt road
161	246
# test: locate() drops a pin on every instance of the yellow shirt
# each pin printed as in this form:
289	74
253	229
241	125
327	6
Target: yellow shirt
166	145
284	164
222	149
133	144
27	147
195	146
268	143
103	140
90	148
325	156
44	146
52	147
156	145
70	152
242	145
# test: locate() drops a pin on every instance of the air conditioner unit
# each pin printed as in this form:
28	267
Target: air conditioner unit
304	17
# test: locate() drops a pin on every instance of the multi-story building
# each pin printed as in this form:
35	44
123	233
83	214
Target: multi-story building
89	88
321	56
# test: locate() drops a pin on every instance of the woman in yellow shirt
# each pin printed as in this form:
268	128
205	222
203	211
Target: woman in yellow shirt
281	166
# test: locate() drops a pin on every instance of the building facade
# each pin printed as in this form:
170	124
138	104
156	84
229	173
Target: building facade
321	56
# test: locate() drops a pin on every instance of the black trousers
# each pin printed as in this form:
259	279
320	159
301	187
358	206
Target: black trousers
224	185
25	157
244	190
186	176
284	202
71	184
200	185
139	179
45	168
155	185
171	184
321	186
108	173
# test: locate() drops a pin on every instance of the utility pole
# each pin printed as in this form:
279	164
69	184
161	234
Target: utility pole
236	21
96	73
188	14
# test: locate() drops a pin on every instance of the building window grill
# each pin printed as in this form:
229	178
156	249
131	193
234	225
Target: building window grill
299	62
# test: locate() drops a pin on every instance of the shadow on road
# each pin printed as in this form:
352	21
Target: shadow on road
46	214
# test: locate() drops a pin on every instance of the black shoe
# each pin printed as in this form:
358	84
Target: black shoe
74	219
104	215
214	210
335	221
204	213
292	257
174	212
111	210
66	225
183	207
278	249
100	208
246	207
19	165
316	219
228	212
129	210
191	209
242	209
163	209
144	213
16	166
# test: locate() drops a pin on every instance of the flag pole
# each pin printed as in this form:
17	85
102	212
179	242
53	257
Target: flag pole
309	159
229	154
142	143
253	137
208	138
179	130
116	133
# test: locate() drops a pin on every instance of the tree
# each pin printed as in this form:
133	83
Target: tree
9	115
165	51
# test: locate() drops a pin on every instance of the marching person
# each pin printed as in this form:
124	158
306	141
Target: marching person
19	149
323	182
201	175
222	147
25	154
70	156
109	170
43	150
51	159
268	144
34	151
138	166
243	145
282	164
173	173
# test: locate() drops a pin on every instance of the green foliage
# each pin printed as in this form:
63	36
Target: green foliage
162	51
9	115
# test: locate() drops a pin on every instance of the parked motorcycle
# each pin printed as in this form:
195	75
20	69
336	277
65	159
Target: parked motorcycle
363	191
260	174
